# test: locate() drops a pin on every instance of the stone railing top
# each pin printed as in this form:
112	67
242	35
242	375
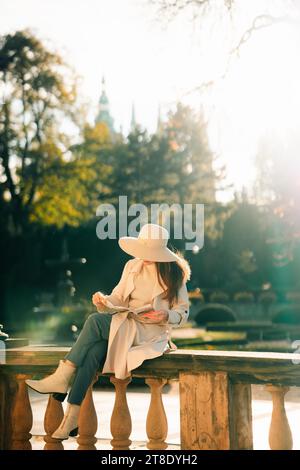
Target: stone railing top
243	366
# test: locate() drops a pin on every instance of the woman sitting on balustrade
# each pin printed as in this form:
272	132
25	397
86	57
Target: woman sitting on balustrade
119	342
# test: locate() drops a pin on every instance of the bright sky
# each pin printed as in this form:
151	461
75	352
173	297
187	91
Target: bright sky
150	63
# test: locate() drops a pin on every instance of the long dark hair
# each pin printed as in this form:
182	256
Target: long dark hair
173	274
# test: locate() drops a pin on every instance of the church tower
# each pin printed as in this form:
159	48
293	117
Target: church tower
104	111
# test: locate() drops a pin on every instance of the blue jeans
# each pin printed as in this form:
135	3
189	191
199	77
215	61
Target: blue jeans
89	354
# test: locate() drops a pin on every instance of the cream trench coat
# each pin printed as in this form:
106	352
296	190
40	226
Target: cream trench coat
131	342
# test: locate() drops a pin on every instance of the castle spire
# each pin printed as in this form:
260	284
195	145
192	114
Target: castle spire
104	108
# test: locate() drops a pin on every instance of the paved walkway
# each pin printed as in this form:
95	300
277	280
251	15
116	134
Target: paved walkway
138	402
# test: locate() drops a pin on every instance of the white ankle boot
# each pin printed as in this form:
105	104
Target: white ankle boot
69	425
57	382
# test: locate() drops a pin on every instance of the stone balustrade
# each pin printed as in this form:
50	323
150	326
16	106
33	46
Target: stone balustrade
215	399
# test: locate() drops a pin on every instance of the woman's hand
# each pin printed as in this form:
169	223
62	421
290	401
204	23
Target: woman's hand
155	316
98	300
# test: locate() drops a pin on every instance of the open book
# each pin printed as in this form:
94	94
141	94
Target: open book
111	308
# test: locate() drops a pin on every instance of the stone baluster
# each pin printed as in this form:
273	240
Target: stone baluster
156	424
280	436
120	424
21	418
52	419
87	422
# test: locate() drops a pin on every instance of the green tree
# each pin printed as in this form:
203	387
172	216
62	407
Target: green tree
41	180
134	167
96	146
191	173
175	165
194	175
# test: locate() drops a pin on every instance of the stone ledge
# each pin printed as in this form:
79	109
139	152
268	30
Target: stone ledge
243	366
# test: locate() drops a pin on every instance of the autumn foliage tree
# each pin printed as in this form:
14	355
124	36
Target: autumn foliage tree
41	180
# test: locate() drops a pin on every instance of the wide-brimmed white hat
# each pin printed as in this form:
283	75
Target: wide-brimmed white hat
151	244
